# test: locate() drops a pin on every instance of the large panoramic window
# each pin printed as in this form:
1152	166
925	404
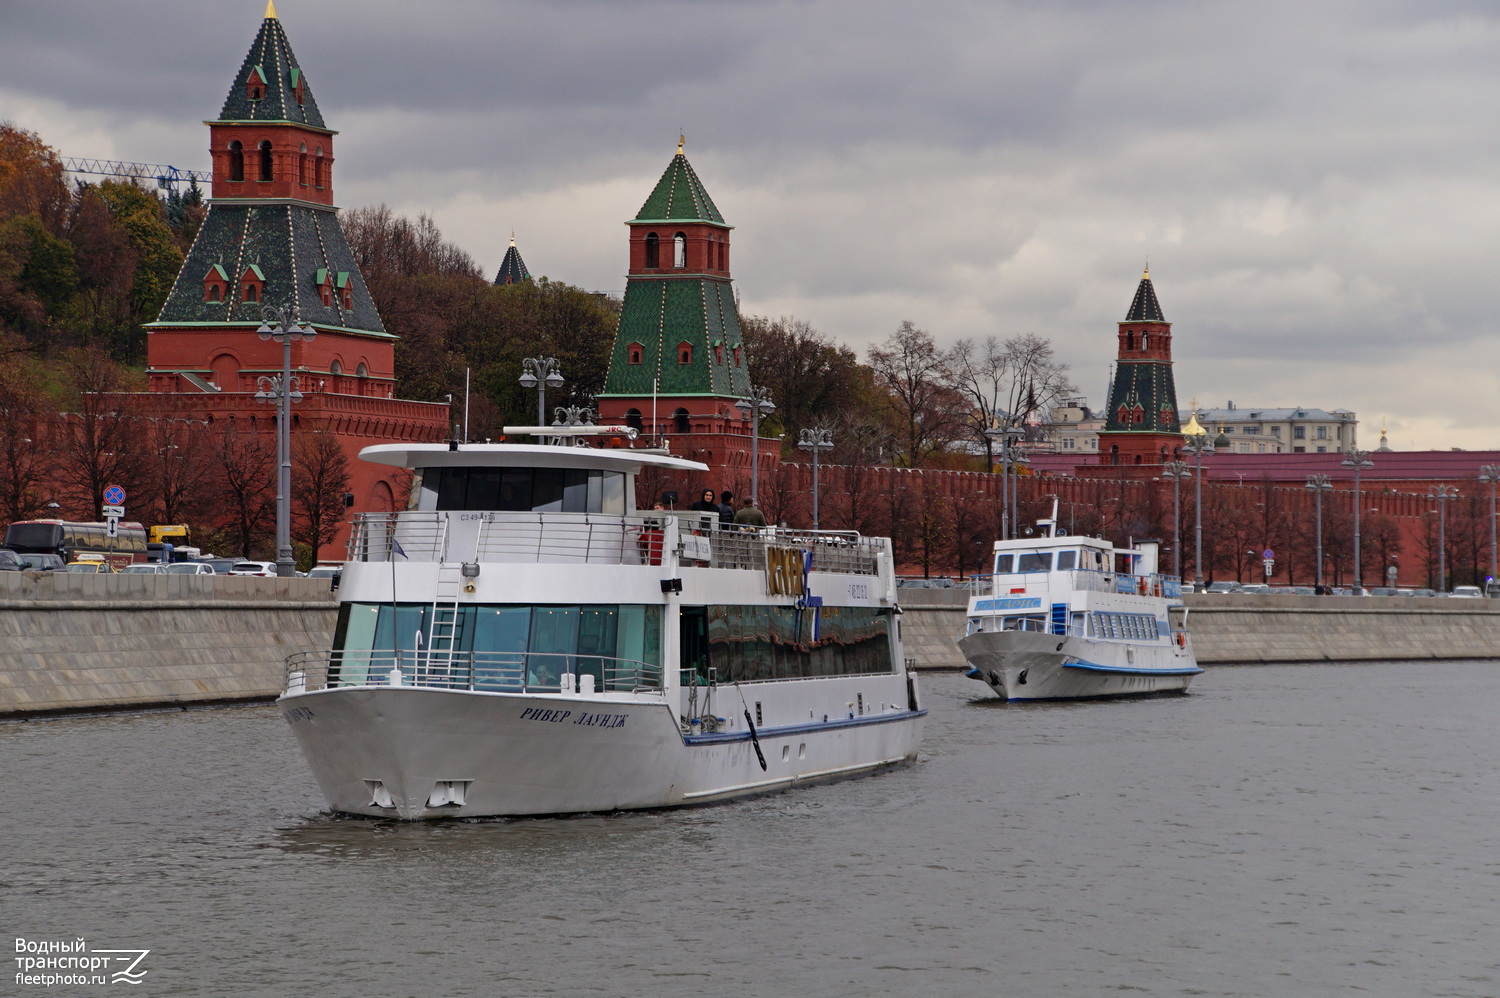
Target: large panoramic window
750	643
543	490
505	646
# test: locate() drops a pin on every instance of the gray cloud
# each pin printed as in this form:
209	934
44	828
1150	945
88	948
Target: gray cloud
1313	182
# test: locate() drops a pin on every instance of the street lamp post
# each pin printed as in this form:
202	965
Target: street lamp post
283	325
1490	474
1357	459
1443	494
816	440
1197	445
1006	434
1317	485
541	373
758	404
1176	471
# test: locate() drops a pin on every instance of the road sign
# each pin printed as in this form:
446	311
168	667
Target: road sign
114	496
114	512
1267	554
112	527
1270	565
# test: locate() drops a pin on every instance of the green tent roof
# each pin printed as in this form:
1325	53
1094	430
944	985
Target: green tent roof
679	197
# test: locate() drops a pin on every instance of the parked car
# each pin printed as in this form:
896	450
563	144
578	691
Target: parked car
1466	592
143	569
10	561
220	566
43	562
264	569
1223	588
189	568
1255	588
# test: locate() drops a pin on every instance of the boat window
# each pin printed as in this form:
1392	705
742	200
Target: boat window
1177	616
544	490
619	645
748	643
1004	563
1035	561
1066	560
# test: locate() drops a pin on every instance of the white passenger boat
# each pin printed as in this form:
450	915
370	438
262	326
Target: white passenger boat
522	641
1072	617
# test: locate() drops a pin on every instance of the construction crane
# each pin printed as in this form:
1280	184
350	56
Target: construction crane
166	177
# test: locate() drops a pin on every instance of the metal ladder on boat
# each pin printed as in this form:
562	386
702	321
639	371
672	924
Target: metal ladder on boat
445	627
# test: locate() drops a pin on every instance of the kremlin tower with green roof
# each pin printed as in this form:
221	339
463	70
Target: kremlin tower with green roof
679	348
272	237
1141	425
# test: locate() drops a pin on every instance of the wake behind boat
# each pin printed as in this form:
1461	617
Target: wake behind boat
1062	620
522	641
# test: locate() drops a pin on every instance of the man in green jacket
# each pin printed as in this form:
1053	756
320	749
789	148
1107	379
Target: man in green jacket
748	515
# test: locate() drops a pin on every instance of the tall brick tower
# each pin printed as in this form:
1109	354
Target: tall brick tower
679	363
1142	426
272	237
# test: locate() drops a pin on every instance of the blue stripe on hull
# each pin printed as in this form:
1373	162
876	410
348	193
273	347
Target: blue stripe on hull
1131	671
798	729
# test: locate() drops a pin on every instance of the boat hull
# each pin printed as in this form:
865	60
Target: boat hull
394	752
1028	665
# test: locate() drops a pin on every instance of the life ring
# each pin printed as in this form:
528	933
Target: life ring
1181	640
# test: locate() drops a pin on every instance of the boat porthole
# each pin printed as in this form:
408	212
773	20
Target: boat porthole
1059	646
1021	677
994	679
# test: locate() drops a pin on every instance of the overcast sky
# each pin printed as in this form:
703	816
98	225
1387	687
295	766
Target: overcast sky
1314	183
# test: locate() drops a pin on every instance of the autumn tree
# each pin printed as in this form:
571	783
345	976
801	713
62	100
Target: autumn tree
100	438
916	382
23	456
320	477
1006	384
244	463
809	376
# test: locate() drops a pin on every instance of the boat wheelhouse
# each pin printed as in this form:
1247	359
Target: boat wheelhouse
1066	617
523	640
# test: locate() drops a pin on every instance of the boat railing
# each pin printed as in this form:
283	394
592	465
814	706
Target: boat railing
412	535
1085	580
668	539
707	541
482	671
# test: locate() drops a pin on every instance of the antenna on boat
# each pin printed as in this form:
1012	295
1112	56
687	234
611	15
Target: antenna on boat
1049	527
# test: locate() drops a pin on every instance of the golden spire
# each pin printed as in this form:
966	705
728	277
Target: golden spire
512	237
1146	273
681	141
270	10
1194	428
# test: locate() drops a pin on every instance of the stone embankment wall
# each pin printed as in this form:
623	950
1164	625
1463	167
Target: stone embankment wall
1256	630
80	642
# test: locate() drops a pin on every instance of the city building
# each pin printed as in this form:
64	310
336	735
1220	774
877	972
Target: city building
1071	428
1297	430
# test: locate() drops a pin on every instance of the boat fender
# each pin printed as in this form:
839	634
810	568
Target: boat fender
974	674
1181	640
1021	677
755	740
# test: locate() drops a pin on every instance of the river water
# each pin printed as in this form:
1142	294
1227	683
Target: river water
1281	831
